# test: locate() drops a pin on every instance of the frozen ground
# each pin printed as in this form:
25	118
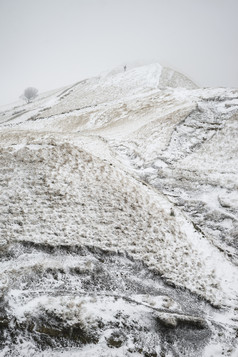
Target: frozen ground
119	219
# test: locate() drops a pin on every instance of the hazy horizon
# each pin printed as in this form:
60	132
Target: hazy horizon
50	44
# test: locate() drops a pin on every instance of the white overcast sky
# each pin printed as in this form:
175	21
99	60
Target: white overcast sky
51	43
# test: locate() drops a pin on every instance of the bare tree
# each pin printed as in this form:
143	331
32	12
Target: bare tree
29	94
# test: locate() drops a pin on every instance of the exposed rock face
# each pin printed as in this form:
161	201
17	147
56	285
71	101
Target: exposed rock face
119	219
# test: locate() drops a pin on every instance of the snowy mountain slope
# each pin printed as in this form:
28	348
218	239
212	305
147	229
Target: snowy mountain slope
73	178
196	167
90	93
119	219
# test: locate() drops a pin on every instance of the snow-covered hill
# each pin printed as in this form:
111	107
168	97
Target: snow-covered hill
119	219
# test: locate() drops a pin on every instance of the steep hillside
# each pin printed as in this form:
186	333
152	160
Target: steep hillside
119	219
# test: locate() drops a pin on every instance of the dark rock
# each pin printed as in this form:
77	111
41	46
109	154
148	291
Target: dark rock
117	339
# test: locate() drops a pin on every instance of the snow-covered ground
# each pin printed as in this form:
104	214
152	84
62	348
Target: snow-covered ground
119	219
